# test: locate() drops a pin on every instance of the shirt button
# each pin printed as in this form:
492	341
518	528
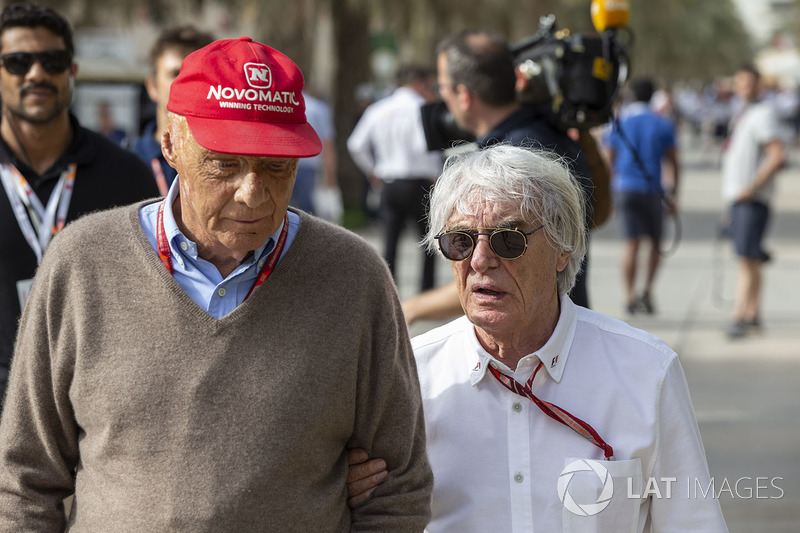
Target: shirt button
517	407
184	246
261	264
221	291
493	365
180	261
518	477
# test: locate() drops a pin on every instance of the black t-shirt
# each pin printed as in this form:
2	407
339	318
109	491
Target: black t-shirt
106	176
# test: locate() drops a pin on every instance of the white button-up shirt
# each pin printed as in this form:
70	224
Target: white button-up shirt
499	462
389	140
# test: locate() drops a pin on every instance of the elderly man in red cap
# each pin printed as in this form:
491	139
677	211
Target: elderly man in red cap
204	363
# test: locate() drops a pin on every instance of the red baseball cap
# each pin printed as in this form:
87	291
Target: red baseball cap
242	97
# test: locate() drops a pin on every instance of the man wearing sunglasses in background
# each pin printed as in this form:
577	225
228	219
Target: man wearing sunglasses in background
528	383
53	170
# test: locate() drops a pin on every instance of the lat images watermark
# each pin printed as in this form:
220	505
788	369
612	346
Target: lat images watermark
585	508
745	488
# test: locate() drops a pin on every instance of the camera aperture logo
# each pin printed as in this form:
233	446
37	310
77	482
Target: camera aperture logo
585	508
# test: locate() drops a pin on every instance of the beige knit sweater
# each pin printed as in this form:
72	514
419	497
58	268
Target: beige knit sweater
162	418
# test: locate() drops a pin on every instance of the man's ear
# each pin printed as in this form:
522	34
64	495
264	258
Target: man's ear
168	148
562	261
464	96
150	85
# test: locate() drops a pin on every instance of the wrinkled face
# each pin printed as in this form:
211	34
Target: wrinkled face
229	204
502	296
167	67
37	96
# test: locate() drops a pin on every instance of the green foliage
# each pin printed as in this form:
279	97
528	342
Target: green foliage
685	39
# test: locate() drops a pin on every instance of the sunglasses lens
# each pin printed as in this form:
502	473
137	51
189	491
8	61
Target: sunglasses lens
508	243
56	61
456	246
18	63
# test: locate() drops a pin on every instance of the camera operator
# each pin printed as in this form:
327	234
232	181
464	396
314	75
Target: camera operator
477	81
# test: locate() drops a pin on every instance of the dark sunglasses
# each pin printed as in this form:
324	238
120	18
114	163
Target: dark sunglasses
507	243
53	61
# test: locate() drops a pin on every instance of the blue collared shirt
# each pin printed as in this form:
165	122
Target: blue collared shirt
200	279
148	149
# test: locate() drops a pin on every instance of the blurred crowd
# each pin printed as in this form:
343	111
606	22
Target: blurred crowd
706	109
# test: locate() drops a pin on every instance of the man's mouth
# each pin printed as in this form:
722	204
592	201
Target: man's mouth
486	291
37	92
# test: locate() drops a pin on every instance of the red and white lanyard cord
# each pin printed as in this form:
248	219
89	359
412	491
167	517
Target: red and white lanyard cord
554	411
37	222
269	265
158	174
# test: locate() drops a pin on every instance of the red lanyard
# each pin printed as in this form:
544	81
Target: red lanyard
269	265
553	411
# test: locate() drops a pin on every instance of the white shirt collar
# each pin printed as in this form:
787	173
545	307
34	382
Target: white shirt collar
553	354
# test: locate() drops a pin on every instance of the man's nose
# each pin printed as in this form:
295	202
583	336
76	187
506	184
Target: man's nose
36	71
252	191
483	257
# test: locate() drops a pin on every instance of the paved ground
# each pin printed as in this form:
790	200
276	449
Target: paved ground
746	393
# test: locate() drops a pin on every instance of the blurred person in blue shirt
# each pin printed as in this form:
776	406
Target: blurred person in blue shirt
637	146
318	173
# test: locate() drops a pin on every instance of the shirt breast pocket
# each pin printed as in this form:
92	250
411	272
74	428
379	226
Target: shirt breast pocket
600	496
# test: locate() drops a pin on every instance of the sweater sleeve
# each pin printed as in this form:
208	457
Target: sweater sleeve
38	434
389	423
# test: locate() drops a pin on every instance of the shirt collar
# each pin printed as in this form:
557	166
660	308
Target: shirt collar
553	354
175	237
80	151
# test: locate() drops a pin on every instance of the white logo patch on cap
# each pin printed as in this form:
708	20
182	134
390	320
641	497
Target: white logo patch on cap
258	75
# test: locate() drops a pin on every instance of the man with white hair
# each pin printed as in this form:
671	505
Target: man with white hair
532	402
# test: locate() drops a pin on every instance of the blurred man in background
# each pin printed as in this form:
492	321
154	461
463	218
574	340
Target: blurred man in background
753	156
388	145
53	170
638	146
107	126
166	57
316	176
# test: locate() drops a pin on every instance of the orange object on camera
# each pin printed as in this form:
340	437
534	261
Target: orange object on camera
607	14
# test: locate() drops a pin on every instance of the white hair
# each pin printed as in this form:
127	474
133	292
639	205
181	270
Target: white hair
537	182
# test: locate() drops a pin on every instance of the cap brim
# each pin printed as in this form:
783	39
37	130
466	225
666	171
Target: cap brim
255	138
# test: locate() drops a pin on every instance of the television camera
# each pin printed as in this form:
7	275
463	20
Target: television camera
572	79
